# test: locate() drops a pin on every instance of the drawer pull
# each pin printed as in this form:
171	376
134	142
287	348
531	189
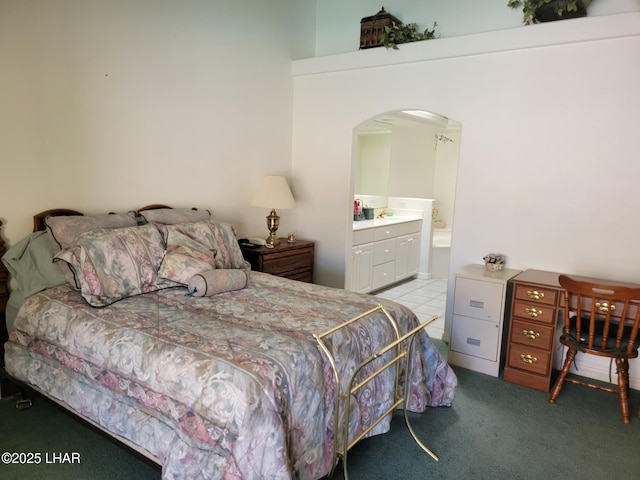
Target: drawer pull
528	359
605	307
530	334
532	312
535	295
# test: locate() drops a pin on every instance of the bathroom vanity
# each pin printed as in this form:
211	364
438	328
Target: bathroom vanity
384	251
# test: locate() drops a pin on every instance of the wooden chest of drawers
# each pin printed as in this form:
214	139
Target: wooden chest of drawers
532	329
290	260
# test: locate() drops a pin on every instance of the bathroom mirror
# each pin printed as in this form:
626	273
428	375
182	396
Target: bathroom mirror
410	153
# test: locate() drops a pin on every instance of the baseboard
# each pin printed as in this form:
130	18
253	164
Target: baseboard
602	369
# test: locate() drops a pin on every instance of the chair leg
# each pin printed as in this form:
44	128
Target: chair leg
623	387
571	354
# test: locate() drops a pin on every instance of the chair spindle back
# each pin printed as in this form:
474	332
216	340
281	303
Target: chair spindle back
598	313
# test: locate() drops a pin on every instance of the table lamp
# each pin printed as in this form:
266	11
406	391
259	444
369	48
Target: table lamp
273	192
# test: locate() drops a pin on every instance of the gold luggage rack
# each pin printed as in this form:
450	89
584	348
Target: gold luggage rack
403	346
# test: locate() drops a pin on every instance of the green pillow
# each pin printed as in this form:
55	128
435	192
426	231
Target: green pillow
30	262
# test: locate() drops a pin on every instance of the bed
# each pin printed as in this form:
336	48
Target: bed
156	330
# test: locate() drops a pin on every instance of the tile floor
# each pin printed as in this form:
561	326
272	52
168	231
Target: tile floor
425	297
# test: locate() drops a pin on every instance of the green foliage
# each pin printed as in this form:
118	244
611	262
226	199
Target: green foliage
530	7
399	33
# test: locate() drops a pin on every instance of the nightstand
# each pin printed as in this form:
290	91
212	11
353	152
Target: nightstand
289	260
7	388
4	296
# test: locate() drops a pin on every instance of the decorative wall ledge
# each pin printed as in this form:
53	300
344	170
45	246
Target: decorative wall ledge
524	37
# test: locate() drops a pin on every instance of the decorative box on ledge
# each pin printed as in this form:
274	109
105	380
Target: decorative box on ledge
371	28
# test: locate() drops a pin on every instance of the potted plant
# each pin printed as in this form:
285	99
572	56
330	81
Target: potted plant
399	33
535	11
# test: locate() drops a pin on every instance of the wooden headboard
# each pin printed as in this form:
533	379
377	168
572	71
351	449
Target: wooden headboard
39	218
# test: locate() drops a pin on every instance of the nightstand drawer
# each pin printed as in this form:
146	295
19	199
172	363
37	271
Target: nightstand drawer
529	359
279	264
538	313
536	295
532	334
300	275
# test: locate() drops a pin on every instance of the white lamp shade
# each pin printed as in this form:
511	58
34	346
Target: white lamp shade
273	192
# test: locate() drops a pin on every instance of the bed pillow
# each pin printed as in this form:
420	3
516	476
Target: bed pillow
213	282
184	257
112	264
173	216
228	253
30	263
65	230
220	237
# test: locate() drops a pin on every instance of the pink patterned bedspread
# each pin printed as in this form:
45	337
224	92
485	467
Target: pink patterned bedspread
232	386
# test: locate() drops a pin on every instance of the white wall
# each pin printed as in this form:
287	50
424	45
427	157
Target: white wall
114	105
548	152
338	21
548	168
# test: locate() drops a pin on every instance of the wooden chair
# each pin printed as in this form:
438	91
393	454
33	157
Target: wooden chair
600	319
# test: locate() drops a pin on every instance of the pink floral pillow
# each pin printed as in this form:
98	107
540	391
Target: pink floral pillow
184	257
65	230
113	264
219	237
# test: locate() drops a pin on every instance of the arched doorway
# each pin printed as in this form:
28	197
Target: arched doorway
408	155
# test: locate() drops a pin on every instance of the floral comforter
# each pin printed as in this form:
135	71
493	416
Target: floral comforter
232	386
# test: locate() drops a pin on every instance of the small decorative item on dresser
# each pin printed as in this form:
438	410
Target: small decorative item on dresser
494	261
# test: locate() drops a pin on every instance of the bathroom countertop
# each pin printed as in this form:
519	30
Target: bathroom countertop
381	222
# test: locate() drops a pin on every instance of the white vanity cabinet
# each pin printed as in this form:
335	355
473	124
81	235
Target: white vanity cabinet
362	261
479	298
407	255
384	254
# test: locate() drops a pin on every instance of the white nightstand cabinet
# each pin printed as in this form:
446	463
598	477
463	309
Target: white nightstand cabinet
479	299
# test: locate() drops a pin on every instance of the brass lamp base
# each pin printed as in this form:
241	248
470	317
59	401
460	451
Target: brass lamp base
273	222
